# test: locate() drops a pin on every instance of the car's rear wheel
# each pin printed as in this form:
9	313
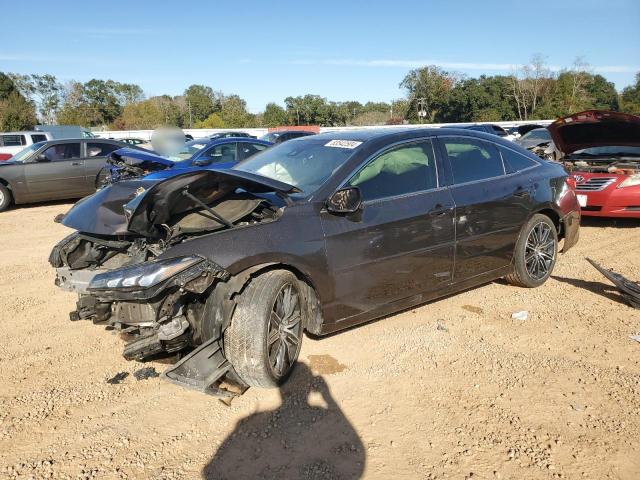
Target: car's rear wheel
5	197
535	252
265	335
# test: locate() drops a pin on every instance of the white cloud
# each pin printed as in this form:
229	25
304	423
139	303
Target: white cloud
392	63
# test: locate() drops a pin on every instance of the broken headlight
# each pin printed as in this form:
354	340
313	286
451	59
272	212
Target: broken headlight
143	275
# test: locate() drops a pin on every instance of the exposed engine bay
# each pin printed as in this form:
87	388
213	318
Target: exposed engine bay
162	303
604	165
119	263
127	163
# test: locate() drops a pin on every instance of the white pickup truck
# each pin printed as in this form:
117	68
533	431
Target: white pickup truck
12	142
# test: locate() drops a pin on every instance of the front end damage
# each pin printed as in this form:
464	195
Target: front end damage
129	282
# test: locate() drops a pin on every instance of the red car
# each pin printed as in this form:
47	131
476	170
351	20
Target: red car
601	150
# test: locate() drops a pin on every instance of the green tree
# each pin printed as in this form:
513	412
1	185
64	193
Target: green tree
603	94
16	113
152	113
202	101
482	99
274	115
428	90
212	121
48	92
630	97
234	112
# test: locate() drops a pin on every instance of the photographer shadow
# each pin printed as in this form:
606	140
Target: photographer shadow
307	436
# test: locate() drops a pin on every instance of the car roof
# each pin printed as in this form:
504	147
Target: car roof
220	141
382	133
25	132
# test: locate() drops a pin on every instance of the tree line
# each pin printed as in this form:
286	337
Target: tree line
529	92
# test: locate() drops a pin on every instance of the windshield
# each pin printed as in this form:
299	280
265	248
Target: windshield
24	154
304	163
188	150
537	134
608	150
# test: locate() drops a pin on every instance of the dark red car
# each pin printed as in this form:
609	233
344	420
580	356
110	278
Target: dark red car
601	150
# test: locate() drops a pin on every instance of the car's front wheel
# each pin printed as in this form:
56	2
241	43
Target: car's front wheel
535	252
264	338
5	197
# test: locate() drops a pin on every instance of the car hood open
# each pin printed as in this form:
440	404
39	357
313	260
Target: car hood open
142	206
595	128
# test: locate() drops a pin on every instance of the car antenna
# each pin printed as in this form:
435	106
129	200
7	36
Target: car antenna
220	218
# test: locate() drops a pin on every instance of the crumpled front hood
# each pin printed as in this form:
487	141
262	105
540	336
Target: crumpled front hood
135	157
143	206
595	128
102	213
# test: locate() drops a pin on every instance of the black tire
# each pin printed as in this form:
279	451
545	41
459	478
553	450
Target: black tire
5	197
254	340
535	253
102	178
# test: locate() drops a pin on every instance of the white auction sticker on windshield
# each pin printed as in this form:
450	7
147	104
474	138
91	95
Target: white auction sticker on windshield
343	144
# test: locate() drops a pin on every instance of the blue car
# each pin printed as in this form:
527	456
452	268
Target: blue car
195	155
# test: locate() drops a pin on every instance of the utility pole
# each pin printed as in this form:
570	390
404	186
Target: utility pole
190	116
421	108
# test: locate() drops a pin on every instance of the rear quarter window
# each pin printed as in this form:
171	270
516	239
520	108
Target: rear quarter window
514	161
38	138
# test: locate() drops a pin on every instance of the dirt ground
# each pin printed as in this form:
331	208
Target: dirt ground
454	389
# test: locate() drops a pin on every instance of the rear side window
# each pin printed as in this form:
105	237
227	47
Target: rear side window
472	160
13	140
399	171
249	149
100	149
514	161
38	138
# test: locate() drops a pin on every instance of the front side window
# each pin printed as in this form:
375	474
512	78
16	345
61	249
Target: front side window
472	160
402	170
98	149
62	151
224	153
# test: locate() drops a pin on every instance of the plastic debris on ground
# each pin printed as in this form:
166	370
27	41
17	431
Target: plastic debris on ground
118	378
521	315
146	372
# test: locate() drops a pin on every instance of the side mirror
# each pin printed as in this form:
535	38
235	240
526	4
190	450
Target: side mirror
346	200
41	158
202	162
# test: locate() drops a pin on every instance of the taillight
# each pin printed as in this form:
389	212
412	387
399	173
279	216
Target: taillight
5	156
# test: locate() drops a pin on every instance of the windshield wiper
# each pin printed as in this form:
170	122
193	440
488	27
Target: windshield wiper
218	217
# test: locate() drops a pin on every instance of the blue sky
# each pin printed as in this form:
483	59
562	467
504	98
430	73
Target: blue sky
267	50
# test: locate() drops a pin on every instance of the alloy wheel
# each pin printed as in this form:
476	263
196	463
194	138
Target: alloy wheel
285	330
540	251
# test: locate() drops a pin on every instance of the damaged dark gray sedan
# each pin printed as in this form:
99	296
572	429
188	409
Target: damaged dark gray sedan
318	234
